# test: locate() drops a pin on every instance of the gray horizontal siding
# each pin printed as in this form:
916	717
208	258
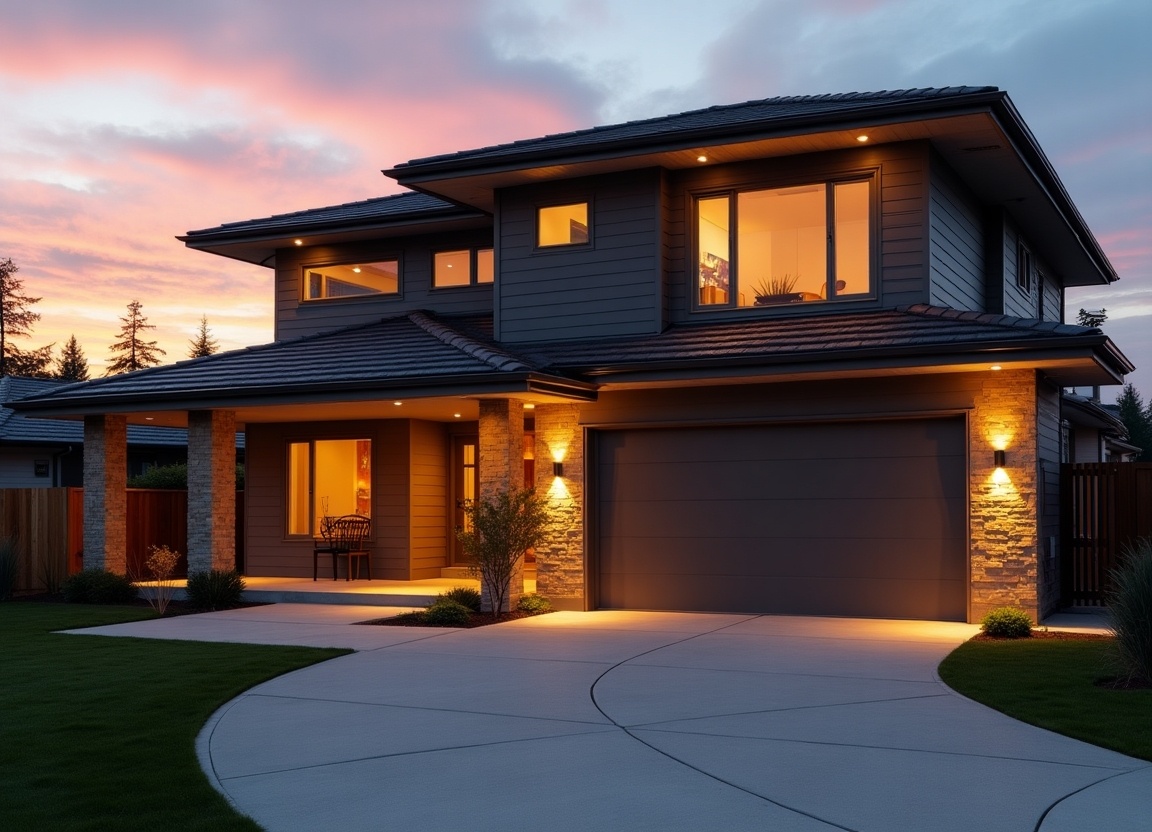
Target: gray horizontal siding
610	287
957	244
295	317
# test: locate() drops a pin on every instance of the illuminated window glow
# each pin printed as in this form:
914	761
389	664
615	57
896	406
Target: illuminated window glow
327	477
562	225
352	280
465	267
784	245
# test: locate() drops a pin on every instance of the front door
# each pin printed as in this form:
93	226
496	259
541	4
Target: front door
465	487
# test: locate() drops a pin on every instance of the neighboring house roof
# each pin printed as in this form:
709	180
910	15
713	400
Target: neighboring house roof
16	427
421	354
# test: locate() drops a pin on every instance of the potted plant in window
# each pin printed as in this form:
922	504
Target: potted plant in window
776	290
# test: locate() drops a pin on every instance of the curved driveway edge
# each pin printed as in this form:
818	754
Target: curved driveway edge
661	721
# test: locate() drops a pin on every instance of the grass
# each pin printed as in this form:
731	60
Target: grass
1051	683
99	733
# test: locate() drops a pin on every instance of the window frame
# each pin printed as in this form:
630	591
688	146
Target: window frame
328	264
549	247
473	267
869	176
312	509
1025	267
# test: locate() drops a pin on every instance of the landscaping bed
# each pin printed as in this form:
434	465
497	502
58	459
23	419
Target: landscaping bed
475	619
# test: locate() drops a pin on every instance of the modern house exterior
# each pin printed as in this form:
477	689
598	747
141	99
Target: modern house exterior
798	355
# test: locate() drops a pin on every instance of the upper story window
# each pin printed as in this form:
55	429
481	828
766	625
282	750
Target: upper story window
562	225
465	267
784	245
349	280
1024	269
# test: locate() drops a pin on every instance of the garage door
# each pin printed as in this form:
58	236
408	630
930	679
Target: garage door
859	519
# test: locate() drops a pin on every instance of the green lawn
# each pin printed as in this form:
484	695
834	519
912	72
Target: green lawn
99	733
1049	682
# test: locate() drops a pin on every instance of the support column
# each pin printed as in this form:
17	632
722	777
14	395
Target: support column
105	498
560	571
502	469
1004	556
211	490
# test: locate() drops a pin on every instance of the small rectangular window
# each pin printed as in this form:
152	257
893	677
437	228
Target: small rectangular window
562	225
352	279
465	267
1024	269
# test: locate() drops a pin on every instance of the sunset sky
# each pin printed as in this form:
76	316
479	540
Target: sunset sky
127	122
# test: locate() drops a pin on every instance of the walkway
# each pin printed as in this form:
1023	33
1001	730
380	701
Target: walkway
639	721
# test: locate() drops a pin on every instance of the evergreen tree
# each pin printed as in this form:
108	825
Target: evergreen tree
132	352
1137	418
72	365
16	319
203	344
1095	319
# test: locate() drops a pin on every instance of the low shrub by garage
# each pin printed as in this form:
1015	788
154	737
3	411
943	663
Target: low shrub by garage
1007	622
98	586
217	589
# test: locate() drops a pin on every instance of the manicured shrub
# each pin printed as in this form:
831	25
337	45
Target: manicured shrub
1130	606
98	586
218	589
447	613
9	566
533	604
1007	622
464	595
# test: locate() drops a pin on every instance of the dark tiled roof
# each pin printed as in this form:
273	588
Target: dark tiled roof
419	348
764	111
16	427
409	348
368	212
912	328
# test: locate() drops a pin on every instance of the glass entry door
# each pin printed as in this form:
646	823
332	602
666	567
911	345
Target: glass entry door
465	487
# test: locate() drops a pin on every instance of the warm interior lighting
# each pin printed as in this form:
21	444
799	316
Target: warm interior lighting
298	242
455	415
996	367
149	418
862	138
998	457
557	469
701	158
397	403
356	269
529	406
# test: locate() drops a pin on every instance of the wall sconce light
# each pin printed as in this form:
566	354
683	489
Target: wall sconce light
998	459
557	469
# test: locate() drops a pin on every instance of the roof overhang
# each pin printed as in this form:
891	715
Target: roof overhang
980	135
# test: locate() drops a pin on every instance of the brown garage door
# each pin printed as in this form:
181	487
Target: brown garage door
860	519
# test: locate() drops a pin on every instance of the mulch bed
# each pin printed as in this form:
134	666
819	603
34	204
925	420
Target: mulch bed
476	619
1061	635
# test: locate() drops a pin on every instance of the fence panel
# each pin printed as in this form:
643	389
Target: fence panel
1106	506
156	517
38	519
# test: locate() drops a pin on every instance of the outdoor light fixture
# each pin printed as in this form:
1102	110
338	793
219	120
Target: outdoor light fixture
862	138
557	469
998	458
298	242
701	158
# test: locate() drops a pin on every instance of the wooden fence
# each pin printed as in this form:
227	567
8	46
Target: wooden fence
49	524
1106	506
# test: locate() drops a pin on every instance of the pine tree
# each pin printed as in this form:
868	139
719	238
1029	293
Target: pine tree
1137	418
132	352
203	344
16	319
1089	318
72	365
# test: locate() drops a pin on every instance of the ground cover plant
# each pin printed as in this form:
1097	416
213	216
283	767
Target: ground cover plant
1061	684
1130	606
98	733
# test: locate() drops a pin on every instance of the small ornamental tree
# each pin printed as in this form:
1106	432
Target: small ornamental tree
499	531
203	344
132	352
72	365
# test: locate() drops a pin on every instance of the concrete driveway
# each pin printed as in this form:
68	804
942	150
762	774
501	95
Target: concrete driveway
639	721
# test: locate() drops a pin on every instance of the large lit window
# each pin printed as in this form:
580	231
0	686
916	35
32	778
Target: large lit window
328	478
784	245
562	225
465	267
352	279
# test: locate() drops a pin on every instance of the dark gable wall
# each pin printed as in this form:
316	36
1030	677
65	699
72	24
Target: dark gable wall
956	233
613	286
295	317
902	234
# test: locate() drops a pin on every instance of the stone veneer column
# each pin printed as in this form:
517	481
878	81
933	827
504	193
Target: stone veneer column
105	498
211	490
1004	514
560	559
502	468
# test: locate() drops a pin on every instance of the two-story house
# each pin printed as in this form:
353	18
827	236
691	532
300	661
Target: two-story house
799	355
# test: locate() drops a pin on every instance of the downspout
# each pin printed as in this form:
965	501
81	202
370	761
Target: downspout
56	457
